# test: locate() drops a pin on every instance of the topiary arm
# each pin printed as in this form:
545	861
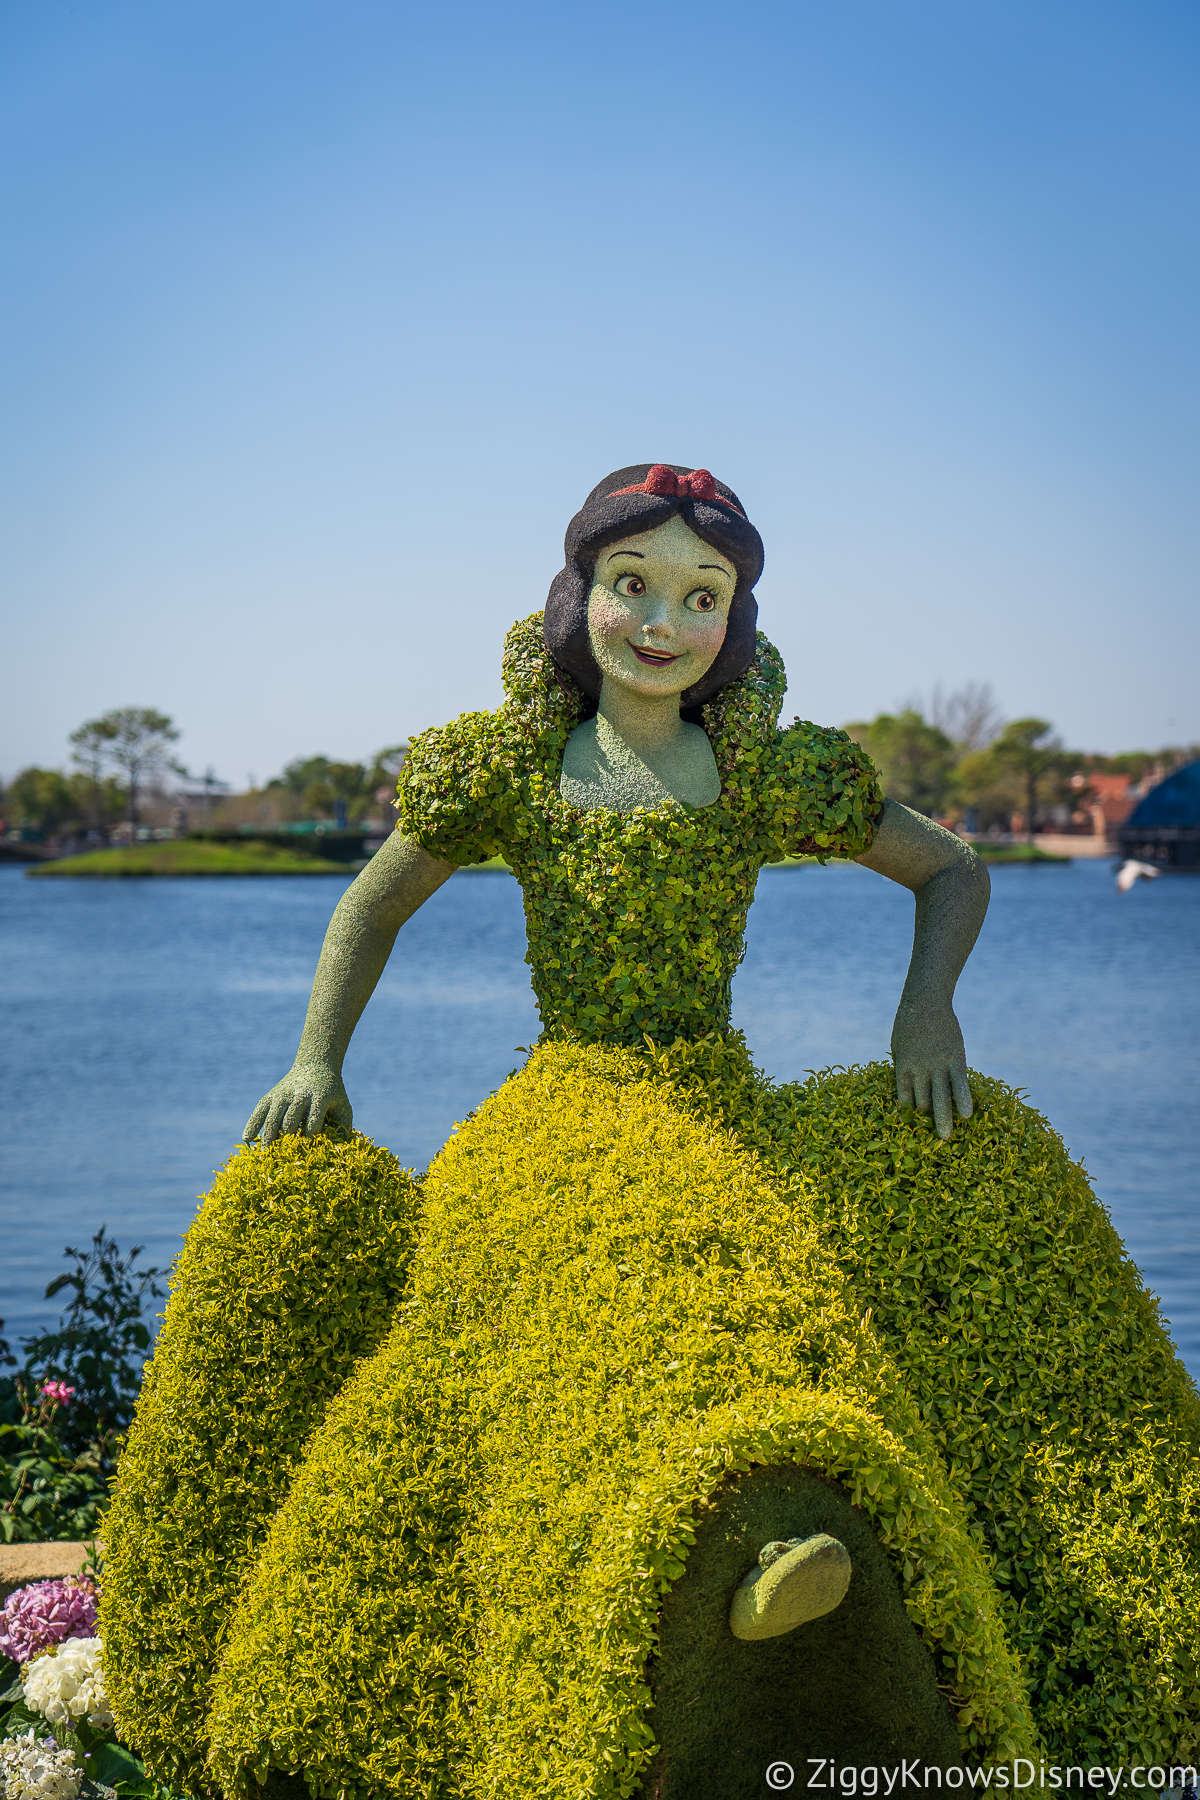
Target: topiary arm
399	877
951	886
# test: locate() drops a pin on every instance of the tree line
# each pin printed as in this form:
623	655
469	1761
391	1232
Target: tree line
955	758
125	756
315	787
116	757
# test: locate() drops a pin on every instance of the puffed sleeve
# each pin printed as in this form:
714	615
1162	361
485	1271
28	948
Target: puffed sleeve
457	789
821	795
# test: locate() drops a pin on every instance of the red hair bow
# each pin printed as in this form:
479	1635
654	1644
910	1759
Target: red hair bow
699	485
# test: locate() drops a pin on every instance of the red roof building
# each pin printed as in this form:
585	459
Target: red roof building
1106	801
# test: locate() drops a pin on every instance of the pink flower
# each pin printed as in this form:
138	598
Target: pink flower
58	1392
47	1613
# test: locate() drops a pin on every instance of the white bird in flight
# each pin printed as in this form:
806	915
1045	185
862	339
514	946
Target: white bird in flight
1133	871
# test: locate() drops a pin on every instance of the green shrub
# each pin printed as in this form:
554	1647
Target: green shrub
613	1309
99	1346
292	1270
56	1460
48	1492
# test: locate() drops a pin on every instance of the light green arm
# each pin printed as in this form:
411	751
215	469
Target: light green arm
399	877
951	886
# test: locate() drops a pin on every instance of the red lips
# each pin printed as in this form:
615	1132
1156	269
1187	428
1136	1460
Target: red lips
652	658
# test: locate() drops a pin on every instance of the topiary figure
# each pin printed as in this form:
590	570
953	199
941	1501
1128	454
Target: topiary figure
712	1410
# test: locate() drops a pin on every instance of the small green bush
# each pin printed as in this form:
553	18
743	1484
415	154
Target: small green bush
98	1348
56	1460
614	1307
292	1271
48	1492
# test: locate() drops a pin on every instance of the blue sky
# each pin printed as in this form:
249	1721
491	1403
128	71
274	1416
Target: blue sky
319	320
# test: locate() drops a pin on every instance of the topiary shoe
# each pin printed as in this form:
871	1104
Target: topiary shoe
791	1583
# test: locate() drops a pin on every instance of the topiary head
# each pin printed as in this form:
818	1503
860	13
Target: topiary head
689	533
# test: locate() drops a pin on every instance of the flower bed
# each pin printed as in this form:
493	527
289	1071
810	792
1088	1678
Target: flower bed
57	1735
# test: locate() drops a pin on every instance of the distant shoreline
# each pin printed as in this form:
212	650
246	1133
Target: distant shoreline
186	858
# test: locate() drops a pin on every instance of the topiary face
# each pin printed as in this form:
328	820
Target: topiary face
658	610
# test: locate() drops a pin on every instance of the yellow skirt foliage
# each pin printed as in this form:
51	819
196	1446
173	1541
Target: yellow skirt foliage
614	1306
292	1271
636	1274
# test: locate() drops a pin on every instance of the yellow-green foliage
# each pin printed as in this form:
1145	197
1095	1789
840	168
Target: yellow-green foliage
613	1307
292	1271
635	920
638	1273
1041	1367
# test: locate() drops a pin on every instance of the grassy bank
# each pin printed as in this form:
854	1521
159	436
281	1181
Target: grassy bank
192	858
189	858
1016	853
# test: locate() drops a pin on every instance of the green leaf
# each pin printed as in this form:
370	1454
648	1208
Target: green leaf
113	1764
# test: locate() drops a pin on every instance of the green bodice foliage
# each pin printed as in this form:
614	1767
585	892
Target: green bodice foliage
635	920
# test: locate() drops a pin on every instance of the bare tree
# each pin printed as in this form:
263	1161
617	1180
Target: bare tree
133	739
968	715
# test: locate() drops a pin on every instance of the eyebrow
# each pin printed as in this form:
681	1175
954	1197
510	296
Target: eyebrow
641	555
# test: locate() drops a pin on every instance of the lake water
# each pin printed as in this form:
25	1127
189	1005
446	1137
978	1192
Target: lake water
143	1019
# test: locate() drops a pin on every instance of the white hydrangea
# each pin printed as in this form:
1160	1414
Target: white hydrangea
30	1770
67	1684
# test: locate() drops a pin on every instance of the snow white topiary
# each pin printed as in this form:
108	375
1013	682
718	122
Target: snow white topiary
661	1315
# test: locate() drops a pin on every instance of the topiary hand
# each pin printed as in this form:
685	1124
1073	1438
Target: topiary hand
931	1063
951	887
310	1095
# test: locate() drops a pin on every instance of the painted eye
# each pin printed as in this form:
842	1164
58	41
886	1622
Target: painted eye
632	586
702	601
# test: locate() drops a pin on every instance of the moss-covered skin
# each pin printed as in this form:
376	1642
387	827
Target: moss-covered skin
635	920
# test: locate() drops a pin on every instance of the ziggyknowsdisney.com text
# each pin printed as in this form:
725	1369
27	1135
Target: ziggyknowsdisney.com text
823	1775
